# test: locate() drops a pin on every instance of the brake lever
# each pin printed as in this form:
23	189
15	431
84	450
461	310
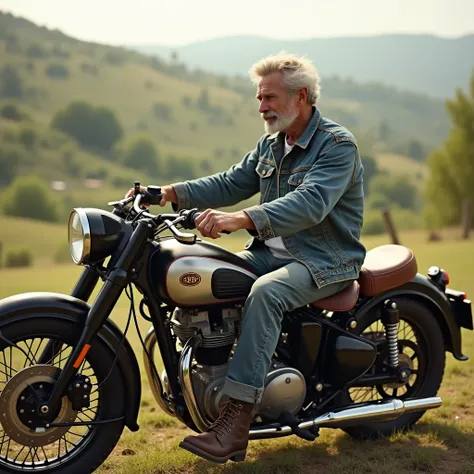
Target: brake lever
184	238
122	202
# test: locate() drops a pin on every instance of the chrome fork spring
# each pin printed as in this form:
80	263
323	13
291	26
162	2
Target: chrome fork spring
391	335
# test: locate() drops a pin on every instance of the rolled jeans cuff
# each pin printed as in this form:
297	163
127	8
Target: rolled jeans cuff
243	392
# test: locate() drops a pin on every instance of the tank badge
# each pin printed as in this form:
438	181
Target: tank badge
190	279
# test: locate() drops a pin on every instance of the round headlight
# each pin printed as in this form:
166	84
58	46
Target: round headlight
79	235
94	234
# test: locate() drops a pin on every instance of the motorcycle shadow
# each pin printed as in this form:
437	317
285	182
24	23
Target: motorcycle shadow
431	447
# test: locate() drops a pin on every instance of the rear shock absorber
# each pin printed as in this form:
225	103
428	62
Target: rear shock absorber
390	319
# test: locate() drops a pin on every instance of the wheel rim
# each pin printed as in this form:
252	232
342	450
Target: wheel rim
412	353
17	456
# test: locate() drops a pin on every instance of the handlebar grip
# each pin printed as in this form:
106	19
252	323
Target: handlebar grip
195	214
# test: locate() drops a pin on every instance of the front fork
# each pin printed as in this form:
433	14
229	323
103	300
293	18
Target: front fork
82	291
115	283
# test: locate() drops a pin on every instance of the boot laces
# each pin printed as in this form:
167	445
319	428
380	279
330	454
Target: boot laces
229	413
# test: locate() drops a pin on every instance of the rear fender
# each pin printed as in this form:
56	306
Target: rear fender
57	305
422	290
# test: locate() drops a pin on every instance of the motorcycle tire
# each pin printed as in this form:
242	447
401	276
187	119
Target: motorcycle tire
431	342
94	449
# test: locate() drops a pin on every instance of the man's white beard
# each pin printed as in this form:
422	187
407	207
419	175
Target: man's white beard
282	121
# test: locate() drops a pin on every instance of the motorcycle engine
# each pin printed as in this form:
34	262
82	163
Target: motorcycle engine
285	387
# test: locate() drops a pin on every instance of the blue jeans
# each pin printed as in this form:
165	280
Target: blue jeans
284	286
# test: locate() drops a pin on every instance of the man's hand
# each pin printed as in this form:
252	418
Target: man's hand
211	223
168	194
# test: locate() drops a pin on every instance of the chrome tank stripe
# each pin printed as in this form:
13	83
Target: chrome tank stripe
200	293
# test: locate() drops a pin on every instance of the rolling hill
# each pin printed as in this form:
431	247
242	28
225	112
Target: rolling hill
418	63
207	120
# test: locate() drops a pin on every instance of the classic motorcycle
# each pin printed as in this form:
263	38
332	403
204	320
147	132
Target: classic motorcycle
368	360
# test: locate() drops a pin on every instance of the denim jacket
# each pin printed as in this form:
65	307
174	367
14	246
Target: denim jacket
312	198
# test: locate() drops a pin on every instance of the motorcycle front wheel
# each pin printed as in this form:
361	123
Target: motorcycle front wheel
24	445
421	349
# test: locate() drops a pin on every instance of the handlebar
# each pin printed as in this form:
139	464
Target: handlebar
152	195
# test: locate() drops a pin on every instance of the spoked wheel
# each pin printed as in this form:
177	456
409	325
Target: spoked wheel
421	351
25	443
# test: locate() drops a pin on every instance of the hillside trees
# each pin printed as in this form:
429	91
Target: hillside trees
139	152
93	127
452	166
11	85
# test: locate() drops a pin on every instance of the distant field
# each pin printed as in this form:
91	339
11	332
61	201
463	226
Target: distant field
441	443
401	164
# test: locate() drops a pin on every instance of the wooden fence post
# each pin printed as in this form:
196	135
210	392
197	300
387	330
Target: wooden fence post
466	219
387	217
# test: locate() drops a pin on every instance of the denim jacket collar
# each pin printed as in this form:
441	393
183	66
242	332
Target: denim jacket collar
309	131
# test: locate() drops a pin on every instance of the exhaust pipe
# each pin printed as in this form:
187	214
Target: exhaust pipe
354	415
154	378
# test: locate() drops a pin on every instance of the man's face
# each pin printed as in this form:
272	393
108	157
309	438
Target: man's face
277	108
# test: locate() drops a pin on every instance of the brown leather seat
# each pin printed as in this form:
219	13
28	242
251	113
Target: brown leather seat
386	267
342	301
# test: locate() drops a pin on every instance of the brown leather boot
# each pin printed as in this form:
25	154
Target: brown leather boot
228	436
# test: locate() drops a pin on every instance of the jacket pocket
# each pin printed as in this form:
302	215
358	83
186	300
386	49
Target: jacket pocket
265	171
296	179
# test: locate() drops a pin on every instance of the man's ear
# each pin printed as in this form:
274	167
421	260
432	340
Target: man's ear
303	95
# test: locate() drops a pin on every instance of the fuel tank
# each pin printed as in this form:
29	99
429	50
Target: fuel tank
199	275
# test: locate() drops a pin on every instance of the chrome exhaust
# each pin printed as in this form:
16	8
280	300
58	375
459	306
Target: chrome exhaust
153	377
384	410
185	367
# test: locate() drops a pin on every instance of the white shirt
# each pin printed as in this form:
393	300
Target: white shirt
276	246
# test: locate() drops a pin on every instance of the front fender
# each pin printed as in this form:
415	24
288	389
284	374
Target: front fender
421	289
64	306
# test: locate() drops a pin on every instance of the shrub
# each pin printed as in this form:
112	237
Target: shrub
90	69
163	111
18	258
36	51
57	71
11	111
30	197
11	84
139	152
11	156
373	223
397	188
28	136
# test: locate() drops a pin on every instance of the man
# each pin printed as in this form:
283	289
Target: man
305	230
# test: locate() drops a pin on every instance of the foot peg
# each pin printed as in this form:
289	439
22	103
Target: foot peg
293	422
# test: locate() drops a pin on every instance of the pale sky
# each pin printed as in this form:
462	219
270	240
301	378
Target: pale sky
178	22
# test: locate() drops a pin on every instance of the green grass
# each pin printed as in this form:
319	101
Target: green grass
440	443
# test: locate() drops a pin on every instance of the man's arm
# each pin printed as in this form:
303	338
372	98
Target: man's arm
227	188
311	202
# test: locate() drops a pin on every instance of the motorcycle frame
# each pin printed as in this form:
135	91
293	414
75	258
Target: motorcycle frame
130	268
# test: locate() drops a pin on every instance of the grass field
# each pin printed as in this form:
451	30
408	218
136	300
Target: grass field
442	442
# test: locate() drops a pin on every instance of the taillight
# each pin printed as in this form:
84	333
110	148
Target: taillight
445	277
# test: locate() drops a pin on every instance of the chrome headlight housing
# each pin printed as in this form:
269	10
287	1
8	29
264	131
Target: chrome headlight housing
94	234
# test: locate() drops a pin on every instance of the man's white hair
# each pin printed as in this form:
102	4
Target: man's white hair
298	73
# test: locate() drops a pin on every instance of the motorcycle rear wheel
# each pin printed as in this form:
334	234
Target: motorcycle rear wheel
79	449
421	345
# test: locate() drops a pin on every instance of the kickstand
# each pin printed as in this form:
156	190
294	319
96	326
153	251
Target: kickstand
293	422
